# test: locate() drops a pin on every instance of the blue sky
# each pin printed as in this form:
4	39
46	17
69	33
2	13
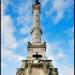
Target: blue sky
57	22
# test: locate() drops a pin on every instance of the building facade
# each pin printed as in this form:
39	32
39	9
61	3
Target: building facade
36	62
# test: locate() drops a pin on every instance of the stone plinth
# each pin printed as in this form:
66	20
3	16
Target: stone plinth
41	67
39	48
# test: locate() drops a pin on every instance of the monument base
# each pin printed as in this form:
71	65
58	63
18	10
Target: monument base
40	67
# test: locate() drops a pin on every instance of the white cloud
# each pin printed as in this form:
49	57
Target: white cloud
70	33
59	7
7	28
66	70
60	55
25	30
5	2
56	50
8	41
7	54
24	17
3	65
53	47
69	71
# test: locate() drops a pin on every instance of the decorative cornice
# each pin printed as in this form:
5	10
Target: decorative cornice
41	63
30	45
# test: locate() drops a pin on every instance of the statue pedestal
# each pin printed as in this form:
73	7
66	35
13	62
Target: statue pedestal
42	67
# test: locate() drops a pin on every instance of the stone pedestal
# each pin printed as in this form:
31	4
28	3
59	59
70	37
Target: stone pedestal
41	67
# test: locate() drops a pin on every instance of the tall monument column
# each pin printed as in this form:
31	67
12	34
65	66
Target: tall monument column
36	62
36	29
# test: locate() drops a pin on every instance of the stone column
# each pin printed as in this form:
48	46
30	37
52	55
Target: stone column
36	30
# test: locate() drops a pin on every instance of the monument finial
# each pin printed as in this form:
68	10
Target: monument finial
37	2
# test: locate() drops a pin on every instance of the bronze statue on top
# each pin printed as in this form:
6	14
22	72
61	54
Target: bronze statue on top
37	2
